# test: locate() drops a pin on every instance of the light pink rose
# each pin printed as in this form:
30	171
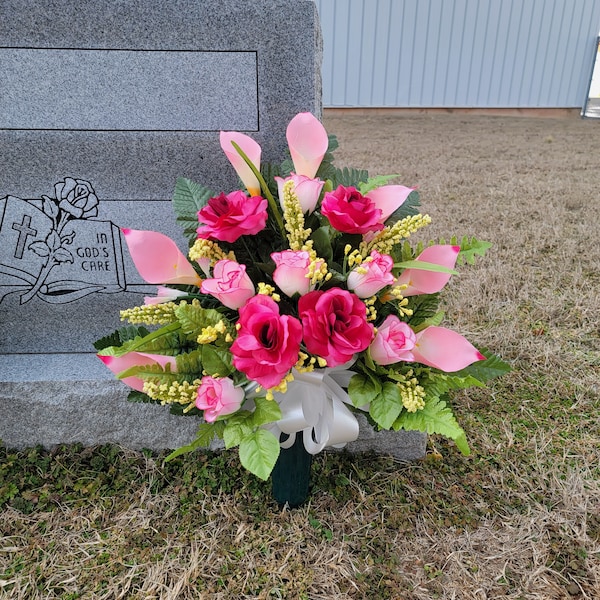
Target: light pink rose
291	272
230	284
218	396
349	211
393	342
378	275
334	325
267	344
229	217
308	190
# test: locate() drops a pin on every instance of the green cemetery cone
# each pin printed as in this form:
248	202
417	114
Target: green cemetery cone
291	474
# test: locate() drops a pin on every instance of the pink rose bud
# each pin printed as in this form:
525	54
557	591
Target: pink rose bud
378	274
308	190
218	396
230	284
393	342
291	272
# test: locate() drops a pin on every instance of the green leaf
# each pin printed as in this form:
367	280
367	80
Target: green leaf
239	426
322	243
206	433
424	307
259	453
470	248
217	361
386	406
408	208
424	266
430	321
194	318
266	411
349	177
188	198
190	365
435	417
374	182
120	336
487	369
156	342
363	389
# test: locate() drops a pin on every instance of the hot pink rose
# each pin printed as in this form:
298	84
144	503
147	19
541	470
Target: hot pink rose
349	211
393	342
378	275
218	396
230	284
334	325
308	190
268	343
291	272
227	218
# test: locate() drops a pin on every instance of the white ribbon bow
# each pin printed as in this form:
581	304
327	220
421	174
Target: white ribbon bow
315	404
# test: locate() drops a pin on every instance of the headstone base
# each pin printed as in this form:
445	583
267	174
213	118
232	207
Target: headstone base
51	401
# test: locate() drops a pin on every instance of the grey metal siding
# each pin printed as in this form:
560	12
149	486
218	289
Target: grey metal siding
458	53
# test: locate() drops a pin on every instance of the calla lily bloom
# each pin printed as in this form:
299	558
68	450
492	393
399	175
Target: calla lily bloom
444	349
308	142
163	294
389	198
420	281
158	259
251	149
118	364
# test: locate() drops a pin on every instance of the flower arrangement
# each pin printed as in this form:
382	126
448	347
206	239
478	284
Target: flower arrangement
302	303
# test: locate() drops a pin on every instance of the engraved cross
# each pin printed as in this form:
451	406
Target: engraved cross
24	232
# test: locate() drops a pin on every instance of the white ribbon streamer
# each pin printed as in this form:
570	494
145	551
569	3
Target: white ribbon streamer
315	404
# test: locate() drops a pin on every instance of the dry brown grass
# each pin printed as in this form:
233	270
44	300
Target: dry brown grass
520	519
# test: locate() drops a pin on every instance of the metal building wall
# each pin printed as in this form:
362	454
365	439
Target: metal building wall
458	53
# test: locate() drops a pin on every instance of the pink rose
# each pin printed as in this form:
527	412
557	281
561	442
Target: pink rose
378	275
218	396
334	325
308	190
393	342
291	272
268	343
227	218
349	211
230	284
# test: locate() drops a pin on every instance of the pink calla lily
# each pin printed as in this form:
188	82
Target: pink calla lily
308	142
118	364
420	281
158	259
389	198
163	294
251	149
444	349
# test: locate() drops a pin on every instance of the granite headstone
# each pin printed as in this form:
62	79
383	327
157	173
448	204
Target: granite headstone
103	105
